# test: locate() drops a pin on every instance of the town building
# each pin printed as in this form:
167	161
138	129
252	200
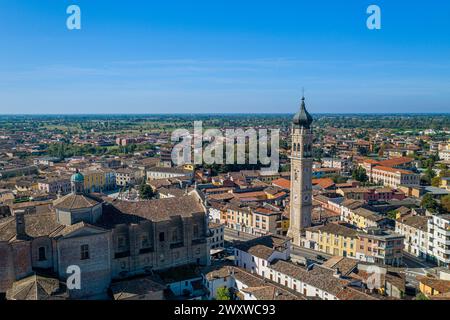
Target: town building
364	219
168	172
380	247
344	165
107	239
332	238
415	230
125	177
376	246
269	257
216	236
371	194
439	239
393	177
55	185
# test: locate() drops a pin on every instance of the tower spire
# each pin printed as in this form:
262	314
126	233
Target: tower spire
303	118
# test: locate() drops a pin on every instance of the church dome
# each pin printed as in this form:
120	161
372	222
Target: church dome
77	177
303	118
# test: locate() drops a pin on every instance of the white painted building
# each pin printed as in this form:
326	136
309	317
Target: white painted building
439	239
393	177
255	255
216	236
444	155
214	214
315	281
415	231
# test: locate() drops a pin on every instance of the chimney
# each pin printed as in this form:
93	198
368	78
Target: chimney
337	273
20	224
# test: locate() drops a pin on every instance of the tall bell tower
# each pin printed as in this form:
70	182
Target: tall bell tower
301	173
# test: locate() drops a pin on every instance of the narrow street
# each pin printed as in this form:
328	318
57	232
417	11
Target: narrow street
233	236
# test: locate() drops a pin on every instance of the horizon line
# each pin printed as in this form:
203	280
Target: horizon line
222	113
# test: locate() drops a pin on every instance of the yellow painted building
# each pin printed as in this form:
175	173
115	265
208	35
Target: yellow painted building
244	219
284	225
189	167
431	286
445	183
337	240
363	218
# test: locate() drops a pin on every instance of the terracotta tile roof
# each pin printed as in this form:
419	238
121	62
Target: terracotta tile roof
221	196
396	279
257	282
33	288
132	289
263	247
319	277
260	251
269	292
161	209
345	265
36	225
282	183
254	194
443	286
367	214
352	204
393	170
370	161
395	162
324	183
418	222
337	229
348	293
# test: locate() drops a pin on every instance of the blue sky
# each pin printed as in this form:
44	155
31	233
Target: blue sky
224	56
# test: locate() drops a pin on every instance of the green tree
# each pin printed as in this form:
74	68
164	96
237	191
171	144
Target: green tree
429	175
429	203
360	174
436	181
146	192
338	179
392	214
223	294
421	296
